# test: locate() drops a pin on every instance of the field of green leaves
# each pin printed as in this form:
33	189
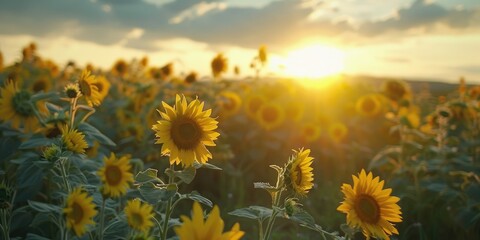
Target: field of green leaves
141	152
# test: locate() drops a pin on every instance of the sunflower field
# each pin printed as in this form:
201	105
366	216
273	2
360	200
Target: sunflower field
141	152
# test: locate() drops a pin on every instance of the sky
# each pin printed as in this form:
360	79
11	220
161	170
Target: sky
411	39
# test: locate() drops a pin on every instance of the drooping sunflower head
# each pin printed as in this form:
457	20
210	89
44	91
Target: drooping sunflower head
368	105
73	140
79	211
88	88
72	90
230	103
298	172
115	175
219	65
139	215
103	86
167	70
337	131
120	68
197	228
253	102
191	78
185	130
17	107
270	116
310	131
370	207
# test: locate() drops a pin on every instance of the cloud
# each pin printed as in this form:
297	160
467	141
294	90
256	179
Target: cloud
197	10
422	14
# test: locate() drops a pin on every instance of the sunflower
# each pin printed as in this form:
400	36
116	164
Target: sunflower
230	103
16	106
185	131
73	140
41	84
270	115
191	78
310	131
79	211
298	172
368	105
89	89
1	61
219	65
72	90
396	90
370	207
253	102
262	54
196	228
115	175
139	215
120	68
337	131
103	86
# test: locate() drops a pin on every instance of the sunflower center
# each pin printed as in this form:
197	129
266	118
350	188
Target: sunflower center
21	103
39	85
368	105
270	114
85	88
77	213
367	209
186	133
113	175
298	180
137	219
71	93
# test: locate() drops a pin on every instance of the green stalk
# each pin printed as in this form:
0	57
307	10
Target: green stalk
275	203
168	210
102	219
5	227
64	174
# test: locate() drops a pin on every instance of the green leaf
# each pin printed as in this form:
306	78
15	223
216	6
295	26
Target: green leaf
302	217
153	194
44	207
263	185
42	95
90	130
382	157
197	165
195	196
33	236
117	229
36	141
186	175
253	212
149	175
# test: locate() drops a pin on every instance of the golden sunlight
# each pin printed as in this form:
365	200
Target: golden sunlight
314	62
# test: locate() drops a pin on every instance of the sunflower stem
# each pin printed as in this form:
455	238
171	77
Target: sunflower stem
5	227
64	174
275	203
260	229
73	110
102	219
168	210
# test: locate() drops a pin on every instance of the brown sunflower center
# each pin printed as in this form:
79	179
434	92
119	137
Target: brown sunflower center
186	133
298	169
39	85
21	103
113	175
367	209
71	93
85	88
137	219
77	212
368	105
270	114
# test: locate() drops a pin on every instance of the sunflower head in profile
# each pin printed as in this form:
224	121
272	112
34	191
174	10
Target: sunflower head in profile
139	215
219	65
88	88
17	107
230	103
73	140
270	116
115	175
197	228
368	105
337	131
191	78
253	102
370	207
103	86
185	130
120	68
79	211
298	172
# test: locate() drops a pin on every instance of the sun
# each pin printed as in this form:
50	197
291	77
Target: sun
314	61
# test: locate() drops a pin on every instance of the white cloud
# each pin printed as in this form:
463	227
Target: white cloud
197	10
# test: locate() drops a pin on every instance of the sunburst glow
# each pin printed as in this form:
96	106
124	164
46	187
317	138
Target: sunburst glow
314	62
